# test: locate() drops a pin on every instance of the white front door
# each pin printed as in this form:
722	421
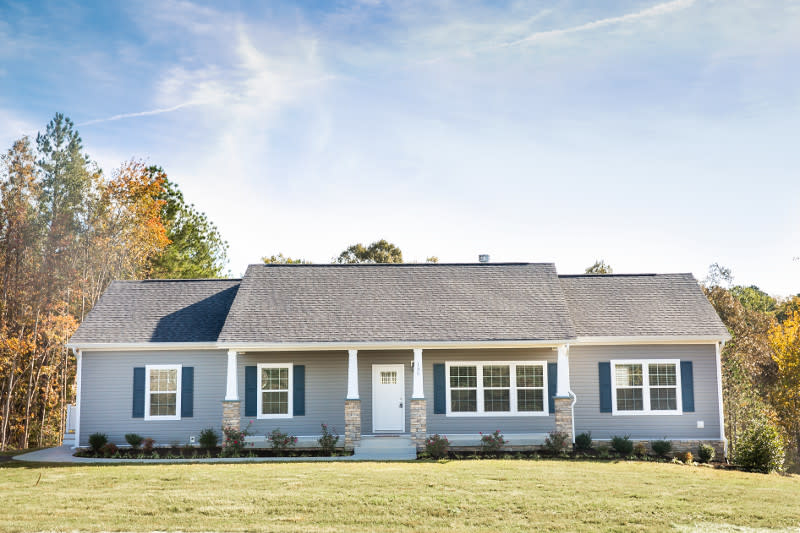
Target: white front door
388	398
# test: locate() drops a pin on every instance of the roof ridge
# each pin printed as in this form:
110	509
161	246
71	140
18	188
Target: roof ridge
634	274
311	265
173	279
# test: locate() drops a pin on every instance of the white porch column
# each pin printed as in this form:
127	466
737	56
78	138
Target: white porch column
78	373
352	375
562	384
232	389
418	392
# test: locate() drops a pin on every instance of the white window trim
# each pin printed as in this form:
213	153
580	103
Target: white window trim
147	415
512	389
290	410
646	387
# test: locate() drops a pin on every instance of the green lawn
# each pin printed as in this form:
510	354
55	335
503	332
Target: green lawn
490	495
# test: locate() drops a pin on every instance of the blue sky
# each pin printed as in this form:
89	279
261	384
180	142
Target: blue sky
660	136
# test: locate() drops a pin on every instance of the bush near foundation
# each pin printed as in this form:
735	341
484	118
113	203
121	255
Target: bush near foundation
760	448
661	447
97	441
437	447
556	442
134	440
622	444
706	453
583	441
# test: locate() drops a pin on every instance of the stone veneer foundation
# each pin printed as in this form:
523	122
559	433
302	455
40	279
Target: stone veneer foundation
419	422
231	414
563	412
352	423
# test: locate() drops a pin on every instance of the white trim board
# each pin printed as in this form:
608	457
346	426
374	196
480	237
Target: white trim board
378	345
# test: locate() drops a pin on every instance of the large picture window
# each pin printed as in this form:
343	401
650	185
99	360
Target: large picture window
496	388
274	395
163	392
646	387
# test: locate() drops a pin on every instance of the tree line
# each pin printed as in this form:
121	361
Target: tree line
66	231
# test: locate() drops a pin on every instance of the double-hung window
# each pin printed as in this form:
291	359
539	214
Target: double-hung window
496	388
163	392
646	387
274	394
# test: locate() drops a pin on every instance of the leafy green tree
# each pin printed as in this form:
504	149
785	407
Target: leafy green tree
754	298
600	267
380	251
197	250
280	259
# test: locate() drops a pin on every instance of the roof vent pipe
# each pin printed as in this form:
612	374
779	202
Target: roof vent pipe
483	258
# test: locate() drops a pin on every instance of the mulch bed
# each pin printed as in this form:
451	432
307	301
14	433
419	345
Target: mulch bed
197	453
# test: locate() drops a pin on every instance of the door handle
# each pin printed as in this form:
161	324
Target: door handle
401	405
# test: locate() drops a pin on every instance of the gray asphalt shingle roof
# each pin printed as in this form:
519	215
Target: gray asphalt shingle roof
403	302
400	303
640	304
159	311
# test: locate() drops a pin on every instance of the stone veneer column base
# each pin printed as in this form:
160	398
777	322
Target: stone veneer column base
352	423
231	414
419	422
563	408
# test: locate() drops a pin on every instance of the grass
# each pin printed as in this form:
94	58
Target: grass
487	495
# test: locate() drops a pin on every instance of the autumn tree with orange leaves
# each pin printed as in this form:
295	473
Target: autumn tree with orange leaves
66	231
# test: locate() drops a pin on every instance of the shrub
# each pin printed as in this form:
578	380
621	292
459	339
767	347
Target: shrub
147	445
437	447
208	438
583	441
760	448
281	441
134	440
109	449
706	453
328	440
493	442
233	440
97	441
686	457
640	450
556	442
661	447
622	445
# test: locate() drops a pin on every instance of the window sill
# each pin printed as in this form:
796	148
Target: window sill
496	414
157	418
268	417
644	413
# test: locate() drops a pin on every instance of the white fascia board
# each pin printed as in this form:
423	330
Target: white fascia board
305	346
405	345
135	346
653	339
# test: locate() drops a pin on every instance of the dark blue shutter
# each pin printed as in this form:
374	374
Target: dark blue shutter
187	392
605	387
299	399
138	392
250	390
439	390
552	380
687	386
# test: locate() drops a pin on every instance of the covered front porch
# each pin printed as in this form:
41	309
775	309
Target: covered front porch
367	391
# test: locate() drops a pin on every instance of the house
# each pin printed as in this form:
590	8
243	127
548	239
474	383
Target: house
409	349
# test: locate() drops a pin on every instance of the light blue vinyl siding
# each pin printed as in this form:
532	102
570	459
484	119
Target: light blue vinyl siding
584	381
107	392
107	395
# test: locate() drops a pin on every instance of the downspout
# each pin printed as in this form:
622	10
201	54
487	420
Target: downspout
719	346
572	410
78	372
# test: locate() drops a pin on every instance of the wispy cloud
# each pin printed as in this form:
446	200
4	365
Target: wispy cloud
654	11
498	41
139	113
